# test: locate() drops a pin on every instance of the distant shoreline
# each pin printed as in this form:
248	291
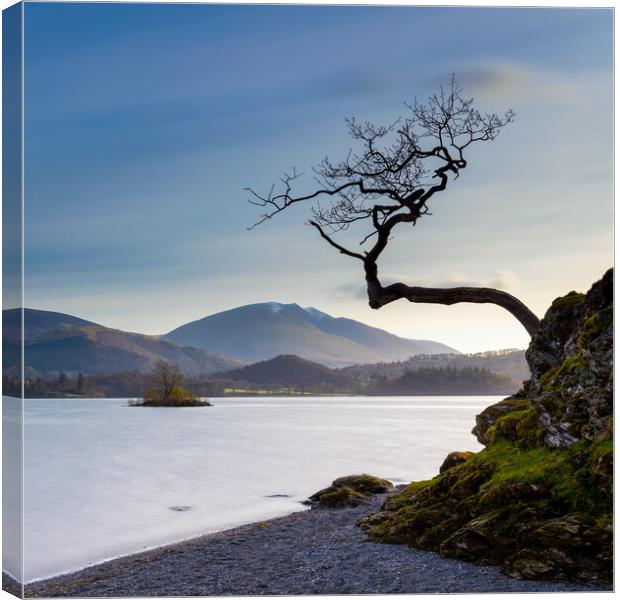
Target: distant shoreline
254	395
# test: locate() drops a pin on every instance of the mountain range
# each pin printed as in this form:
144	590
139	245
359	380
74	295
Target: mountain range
261	331
220	342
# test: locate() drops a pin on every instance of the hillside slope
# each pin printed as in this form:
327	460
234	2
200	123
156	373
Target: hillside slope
56	342
288	370
261	331
36	322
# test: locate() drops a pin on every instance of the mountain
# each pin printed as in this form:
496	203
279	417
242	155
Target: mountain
288	370
261	331
55	342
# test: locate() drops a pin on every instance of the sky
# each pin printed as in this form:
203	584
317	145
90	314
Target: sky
143	124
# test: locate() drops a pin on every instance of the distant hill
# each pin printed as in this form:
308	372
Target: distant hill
510	362
36	322
55	342
447	381
288	370
261	331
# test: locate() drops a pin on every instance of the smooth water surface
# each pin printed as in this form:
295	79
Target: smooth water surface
103	479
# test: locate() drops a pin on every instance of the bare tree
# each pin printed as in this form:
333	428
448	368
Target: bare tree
388	181
166	377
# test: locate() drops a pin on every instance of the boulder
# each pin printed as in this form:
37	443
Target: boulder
351	490
453	459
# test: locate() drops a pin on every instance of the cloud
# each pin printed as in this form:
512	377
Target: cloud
517	84
503	280
349	290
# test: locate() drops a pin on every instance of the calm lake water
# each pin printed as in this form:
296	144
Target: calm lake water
101	478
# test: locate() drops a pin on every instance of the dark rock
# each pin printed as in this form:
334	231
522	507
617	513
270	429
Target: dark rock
453	459
488	417
351	490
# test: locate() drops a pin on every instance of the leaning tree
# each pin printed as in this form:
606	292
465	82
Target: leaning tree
388	181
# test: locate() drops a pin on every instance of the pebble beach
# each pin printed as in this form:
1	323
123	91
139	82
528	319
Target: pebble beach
318	551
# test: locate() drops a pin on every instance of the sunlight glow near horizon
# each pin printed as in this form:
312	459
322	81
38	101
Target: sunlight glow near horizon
144	123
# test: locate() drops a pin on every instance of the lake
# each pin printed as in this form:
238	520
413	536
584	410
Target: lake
102	479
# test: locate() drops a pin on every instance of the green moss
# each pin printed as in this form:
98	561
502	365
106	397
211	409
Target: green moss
512	463
571	300
341	497
548	377
522	427
499	485
597	323
571	364
351	490
601	448
365	484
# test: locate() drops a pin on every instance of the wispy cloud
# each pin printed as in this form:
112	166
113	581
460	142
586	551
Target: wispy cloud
515	82
347	291
503	280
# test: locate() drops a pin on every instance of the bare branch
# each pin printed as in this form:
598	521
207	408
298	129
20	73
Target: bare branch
338	247
388	178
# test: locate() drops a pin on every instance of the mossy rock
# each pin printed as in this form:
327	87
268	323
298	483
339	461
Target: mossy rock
453	459
365	484
484	429
341	497
351	490
503	500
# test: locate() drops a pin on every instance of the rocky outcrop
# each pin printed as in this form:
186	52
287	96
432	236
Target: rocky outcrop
351	490
453	459
571	360
538	499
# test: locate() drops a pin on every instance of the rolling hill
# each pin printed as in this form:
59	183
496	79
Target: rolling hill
55	341
258	332
288	370
36	322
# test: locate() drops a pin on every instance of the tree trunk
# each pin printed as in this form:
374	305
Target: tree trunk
379	296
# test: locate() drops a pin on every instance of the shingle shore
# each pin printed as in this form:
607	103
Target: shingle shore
319	551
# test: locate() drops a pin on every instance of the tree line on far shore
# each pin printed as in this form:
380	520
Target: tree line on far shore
284	375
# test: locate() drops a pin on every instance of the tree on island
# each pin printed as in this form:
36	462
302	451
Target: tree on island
389	181
166	389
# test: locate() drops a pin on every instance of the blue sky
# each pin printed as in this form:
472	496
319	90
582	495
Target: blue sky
145	122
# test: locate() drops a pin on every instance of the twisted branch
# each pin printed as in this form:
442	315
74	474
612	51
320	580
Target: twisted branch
390	181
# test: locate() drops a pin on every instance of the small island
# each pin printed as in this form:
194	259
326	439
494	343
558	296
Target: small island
166	390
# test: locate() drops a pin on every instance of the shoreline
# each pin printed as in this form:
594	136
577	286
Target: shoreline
318	551
255	394
149	549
